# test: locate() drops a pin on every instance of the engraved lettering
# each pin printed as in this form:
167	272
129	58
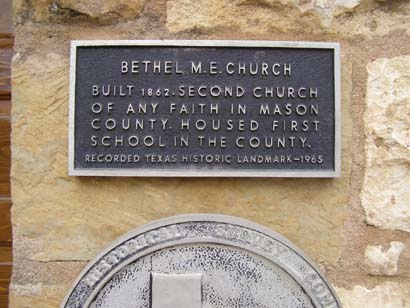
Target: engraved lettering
258	111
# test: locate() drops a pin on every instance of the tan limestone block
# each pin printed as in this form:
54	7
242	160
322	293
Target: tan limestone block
386	187
98	10
36	295
346	18
73	218
386	295
383	262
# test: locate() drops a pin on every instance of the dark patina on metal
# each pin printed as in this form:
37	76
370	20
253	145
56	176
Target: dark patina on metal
204	108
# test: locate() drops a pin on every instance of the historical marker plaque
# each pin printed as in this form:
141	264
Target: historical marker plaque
195	261
204	108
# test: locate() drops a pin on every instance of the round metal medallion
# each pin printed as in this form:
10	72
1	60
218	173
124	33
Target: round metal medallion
201	261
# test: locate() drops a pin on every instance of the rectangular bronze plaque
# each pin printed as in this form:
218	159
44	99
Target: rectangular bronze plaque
204	108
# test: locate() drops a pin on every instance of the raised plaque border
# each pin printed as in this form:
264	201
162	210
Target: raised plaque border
121	172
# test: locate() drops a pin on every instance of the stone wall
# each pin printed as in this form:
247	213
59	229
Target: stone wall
355	227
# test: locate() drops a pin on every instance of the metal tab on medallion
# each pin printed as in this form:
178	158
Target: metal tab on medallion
207	261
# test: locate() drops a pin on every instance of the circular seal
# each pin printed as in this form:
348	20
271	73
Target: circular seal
194	261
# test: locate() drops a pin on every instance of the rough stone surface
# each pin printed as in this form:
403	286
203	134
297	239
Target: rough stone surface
37	295
387	295
346	18
94	211
98	10
58	220
386	187
383	262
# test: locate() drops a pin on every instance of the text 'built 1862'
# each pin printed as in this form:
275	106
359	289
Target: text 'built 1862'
204	108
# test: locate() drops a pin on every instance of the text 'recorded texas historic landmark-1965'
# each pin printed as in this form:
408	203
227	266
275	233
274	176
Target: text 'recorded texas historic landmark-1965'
204	108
